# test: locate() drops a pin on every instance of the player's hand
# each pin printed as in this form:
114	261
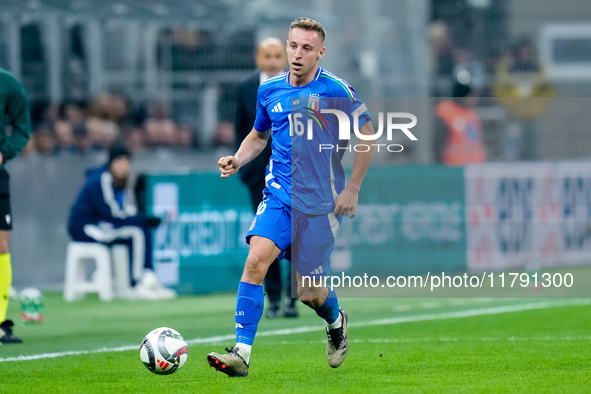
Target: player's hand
346	203
229	165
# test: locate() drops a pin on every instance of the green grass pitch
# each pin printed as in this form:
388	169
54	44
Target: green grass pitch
396	345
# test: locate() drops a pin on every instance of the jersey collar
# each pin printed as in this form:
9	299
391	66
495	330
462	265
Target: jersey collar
318	72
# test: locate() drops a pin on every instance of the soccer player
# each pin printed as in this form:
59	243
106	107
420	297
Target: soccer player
297	220
14	107
271	60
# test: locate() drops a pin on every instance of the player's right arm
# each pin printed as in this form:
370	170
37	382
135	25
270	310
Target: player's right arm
251	147
255	141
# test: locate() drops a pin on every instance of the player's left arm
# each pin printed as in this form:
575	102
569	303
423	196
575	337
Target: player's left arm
346	202
17	109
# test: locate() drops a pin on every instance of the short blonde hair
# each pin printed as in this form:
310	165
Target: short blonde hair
309	24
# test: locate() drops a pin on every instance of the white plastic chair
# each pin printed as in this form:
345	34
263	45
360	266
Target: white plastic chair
120	258
79	282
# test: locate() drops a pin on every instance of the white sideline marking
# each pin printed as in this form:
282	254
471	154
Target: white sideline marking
445	339
304	329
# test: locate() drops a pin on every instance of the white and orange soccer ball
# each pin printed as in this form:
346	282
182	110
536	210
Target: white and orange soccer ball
163	351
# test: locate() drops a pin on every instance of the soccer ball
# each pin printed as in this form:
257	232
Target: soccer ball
163	351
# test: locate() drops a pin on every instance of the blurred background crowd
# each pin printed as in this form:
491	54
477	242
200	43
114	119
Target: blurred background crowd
78	127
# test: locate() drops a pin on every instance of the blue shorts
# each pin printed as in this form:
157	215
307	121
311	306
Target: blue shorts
306	240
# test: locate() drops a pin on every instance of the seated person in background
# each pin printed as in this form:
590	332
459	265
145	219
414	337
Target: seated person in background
103	213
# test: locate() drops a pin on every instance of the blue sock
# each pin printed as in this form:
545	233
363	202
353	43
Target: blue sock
329	311
249	310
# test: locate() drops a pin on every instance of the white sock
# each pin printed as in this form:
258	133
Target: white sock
244	351
337	323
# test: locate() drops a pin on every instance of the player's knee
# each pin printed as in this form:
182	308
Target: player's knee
256	265
258	260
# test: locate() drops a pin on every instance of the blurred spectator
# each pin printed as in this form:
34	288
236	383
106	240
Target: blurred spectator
64	136
45	140
459	134
159	127
522	87
134	138
100	124
224	134
519	74
73	127
103	213
51	113
185	137
103	132
72	112
82	140
121	109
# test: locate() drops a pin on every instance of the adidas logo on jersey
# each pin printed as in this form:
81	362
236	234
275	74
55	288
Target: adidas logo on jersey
277	108
317	271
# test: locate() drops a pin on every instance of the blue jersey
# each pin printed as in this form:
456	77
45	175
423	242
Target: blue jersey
100	202
300	173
